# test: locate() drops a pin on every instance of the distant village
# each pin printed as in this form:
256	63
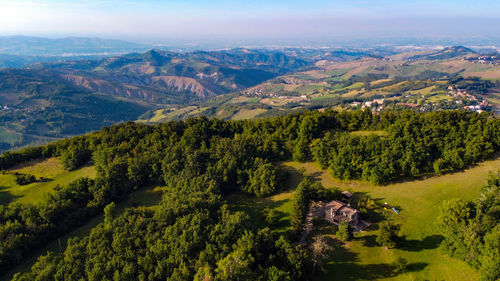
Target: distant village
6	108
476	106
493	59
462	99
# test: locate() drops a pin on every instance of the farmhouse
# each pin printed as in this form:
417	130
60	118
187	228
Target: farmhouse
335	212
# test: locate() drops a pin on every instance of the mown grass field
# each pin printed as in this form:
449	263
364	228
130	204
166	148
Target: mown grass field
418	202
50	169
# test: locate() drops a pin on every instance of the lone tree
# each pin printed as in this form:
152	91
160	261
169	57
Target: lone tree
387	234
319	249
271	217
401	264
345	232
109	213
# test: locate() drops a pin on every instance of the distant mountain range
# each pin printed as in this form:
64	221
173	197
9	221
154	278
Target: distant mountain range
68	46
167	77
57	99
21	51
446	53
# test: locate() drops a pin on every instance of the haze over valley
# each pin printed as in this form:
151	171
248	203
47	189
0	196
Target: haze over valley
249	140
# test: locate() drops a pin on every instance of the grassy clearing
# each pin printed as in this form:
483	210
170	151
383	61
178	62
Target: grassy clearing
161	115
425	91
197	111
281	202
9	136
356	85
376	82
367	133
307	89
352	94
324	97
148	197
47	168
51	169
337	72
418	202
254	207
247	113
243	99
437	98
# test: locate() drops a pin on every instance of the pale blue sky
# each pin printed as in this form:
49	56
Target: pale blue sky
161	20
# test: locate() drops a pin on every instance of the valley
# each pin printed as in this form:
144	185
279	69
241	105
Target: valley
50	100
398	82
249	140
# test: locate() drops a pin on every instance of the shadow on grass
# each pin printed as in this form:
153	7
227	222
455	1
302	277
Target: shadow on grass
369	240
344	265
6	197
316	176
294	177
428	243
254	207
44	179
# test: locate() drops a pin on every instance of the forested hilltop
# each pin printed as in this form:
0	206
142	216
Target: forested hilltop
192	234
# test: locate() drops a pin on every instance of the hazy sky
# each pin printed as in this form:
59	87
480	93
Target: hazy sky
264	19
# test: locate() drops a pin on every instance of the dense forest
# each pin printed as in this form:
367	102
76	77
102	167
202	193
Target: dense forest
192	235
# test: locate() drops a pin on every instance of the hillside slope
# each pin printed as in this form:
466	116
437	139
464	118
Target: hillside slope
58	99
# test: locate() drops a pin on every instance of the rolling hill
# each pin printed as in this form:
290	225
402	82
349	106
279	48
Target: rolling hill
396	82
56	99
47	100
446	53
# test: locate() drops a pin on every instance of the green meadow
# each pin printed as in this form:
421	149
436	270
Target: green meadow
418	202
52	172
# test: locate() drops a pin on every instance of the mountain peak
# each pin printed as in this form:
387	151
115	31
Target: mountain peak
460	49
155	56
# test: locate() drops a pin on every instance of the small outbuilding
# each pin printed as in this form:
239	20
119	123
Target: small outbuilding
346	194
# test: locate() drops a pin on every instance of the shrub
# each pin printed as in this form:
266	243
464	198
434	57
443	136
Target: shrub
271	217
24	179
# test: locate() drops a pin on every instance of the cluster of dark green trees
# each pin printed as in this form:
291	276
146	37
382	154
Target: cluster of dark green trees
192	234
472	229
213	156
24	179
416	145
